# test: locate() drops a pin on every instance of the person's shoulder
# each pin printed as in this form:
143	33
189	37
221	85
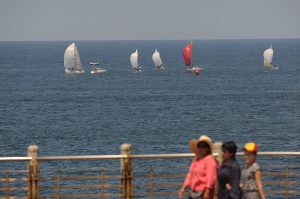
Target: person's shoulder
211	158
235	164
255	167
194	159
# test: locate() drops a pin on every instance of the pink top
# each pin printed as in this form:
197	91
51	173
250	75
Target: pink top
202	174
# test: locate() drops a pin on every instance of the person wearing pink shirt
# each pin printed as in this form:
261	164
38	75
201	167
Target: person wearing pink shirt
202	173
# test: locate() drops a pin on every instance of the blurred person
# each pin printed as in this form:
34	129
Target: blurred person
202	173
251	179
229	173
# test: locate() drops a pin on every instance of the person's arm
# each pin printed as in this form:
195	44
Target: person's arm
206	194
259	184
211	175
186	183
182	190
211	172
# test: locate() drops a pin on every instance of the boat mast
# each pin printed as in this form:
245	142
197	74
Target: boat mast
192	53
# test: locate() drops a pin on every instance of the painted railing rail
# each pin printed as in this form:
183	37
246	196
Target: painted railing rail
167	155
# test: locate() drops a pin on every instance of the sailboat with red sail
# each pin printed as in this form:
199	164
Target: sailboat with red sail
187	55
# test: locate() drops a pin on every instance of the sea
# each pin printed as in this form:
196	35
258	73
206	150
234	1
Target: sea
157	111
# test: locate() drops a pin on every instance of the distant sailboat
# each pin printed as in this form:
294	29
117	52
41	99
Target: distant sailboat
72	60
157	60
268	59
187	55
134	61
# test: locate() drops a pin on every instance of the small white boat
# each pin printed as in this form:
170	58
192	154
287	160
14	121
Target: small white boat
268	60
187	55
134	61
157	60
72	60
96	68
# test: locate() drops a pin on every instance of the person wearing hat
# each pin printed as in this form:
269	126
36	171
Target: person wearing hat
202	173
251	180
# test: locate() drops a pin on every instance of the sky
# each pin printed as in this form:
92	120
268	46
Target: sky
56	20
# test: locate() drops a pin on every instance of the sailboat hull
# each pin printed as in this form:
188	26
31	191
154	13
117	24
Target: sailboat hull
160	67
271	67
138	69
193	69
74	71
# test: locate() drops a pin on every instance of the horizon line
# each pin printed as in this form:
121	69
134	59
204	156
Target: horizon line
209	39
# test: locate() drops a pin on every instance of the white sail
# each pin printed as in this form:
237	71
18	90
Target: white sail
72	60
268	56
134	60
156	59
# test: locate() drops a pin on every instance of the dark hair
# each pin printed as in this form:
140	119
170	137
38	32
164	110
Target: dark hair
230	147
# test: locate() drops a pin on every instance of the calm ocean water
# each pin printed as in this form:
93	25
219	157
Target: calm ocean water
155	110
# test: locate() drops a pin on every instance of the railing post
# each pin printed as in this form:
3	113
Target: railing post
102	186
58	184
287	182
33	168
217	148
7	185
151	183
126	172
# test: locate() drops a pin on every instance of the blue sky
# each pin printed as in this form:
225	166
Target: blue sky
41	20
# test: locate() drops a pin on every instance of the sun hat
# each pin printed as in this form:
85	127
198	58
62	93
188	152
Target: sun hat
202	138
251	147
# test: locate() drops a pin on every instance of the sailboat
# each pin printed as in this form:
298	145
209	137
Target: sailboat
187	55
96	68
268	59
157	60
72	60
134	61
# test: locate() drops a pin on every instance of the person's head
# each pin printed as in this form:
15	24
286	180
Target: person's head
250	151
202	147
228	150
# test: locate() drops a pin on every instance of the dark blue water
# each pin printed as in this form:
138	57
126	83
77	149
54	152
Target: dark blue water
156	111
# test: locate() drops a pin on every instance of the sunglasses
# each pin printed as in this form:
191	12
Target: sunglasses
202	145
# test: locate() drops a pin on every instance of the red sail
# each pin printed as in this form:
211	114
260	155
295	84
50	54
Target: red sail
187	54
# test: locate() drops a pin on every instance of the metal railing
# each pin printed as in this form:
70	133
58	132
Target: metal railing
127	175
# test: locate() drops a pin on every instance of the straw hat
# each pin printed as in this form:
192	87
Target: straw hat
202	138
